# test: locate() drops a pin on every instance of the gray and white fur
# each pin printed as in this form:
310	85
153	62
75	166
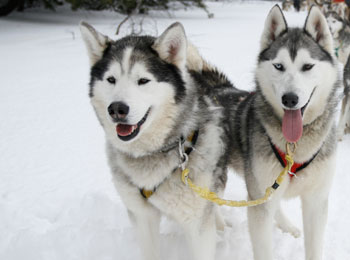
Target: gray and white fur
344	120
297	61
340	30
148	93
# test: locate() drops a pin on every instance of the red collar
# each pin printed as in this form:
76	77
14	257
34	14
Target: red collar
281	156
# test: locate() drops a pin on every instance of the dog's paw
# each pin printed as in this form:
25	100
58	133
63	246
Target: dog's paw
340	135
347	130
294	231
228	222
222	222
220	226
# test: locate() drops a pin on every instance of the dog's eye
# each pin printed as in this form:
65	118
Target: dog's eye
143	81
307	67
111	79
278	66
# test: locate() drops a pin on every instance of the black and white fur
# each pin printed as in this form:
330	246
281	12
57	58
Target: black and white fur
258	119
340	30
166	82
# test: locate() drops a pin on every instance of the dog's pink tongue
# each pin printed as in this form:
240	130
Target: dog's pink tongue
124	130
292	125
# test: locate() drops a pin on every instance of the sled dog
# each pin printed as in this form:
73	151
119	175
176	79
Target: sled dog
160	106
295	101
340	30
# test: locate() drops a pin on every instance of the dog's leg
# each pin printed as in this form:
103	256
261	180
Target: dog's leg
315	211
201	238
285	225
221	222
219	219
147	232
260	218
315	207
260	222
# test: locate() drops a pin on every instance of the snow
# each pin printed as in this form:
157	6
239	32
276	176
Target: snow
57	200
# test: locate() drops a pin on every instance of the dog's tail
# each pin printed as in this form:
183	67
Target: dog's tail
285	225
195	61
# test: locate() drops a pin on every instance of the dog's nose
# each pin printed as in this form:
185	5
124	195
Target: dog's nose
118	110
290	100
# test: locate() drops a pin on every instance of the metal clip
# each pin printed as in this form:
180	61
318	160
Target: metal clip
291	148
293	174
184	161
183	155
186	179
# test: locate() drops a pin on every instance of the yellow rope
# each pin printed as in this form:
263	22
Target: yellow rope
205	193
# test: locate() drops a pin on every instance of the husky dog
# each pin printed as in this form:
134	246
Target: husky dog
297	4
149	95
287	5
340	30
342	10
295	101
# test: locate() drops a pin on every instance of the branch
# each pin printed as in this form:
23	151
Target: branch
137	8
121	23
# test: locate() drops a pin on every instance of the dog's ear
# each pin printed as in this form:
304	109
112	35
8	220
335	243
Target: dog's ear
316	26
341	12
172	45
324	9
275	25
95	42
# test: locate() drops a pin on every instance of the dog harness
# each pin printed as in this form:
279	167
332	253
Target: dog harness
281	156
192	139
336	50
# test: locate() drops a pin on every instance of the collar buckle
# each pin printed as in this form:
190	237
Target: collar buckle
183	154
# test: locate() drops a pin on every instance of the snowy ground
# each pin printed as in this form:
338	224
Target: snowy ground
56	197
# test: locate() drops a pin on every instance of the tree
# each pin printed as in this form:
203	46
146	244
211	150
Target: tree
127	7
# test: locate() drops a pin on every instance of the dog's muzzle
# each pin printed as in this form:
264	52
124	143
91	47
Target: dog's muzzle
118	111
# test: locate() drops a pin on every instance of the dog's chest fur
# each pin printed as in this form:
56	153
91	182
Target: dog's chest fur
160	171
150	171
256	123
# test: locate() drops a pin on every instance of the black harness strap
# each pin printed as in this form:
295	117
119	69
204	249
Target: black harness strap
277	154
280	159
193	142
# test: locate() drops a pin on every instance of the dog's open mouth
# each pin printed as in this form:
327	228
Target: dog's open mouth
127	132
292	123
304	107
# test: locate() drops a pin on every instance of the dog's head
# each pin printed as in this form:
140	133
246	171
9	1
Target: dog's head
296	70
335	23
136	85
